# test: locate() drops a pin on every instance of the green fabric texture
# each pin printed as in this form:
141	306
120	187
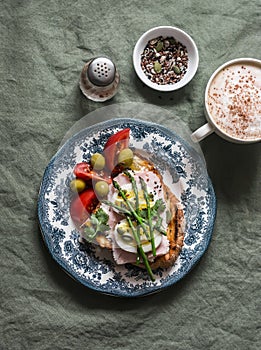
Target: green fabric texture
44	45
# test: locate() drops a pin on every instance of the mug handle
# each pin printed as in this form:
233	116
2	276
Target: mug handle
202	132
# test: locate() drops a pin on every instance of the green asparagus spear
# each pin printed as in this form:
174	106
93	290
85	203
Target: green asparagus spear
140	250
135	190
117	207
146	196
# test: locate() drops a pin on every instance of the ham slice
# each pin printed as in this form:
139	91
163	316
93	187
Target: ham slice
151	179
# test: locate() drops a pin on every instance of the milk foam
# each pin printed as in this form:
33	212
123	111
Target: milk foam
234	100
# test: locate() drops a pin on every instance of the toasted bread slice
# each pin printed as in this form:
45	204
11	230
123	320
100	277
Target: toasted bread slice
175	229
175	234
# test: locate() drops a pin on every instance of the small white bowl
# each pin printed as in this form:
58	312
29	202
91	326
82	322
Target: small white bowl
179	35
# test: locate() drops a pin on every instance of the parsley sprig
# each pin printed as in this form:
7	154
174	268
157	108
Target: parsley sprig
98	222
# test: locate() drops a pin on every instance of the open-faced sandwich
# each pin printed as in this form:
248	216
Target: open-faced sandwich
122	204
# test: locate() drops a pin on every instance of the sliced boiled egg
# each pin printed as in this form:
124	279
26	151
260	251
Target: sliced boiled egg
126	240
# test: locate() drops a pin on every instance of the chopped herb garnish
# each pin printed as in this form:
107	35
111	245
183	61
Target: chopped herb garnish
98	223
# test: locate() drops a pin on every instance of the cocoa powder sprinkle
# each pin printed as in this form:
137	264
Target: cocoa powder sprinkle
236	106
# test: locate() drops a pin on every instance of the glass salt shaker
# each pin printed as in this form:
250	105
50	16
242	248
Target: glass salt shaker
99	80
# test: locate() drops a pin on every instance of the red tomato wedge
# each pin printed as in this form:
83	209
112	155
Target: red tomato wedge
82	205
114	145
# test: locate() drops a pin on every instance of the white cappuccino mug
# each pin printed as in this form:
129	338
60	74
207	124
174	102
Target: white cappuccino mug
233	102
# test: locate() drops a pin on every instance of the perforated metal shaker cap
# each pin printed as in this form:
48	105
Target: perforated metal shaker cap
101	71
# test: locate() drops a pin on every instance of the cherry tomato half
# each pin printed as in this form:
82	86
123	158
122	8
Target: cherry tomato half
83	171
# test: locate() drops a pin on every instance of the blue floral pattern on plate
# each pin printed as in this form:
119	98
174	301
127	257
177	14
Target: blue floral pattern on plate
183	171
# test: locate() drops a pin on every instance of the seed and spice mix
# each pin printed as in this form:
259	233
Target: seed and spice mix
164	60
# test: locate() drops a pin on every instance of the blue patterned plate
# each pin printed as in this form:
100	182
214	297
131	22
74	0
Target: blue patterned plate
183	171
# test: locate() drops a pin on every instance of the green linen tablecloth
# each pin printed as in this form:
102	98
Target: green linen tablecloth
44	45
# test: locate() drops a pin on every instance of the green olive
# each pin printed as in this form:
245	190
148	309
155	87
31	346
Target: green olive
97	161
125	157
77	185
101	188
